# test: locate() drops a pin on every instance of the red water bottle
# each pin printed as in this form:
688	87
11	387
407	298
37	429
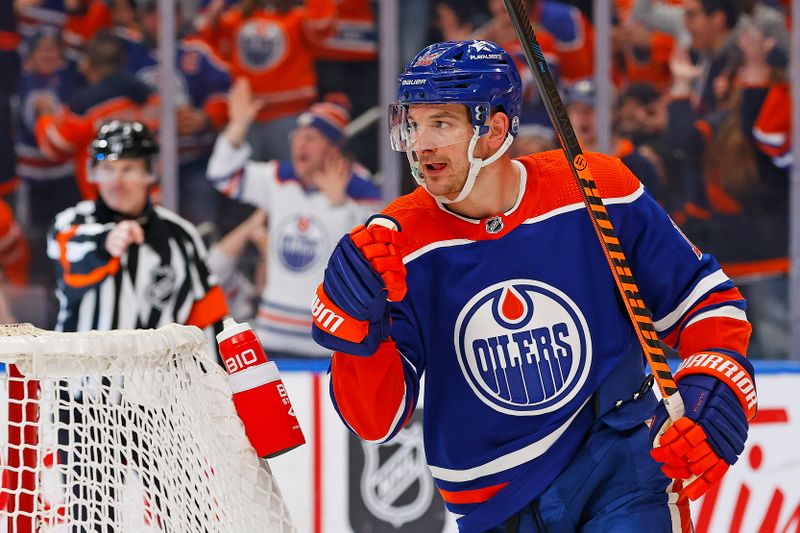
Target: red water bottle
258	392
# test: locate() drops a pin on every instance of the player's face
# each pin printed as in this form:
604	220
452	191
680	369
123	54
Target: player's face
309	149
444	166
123	184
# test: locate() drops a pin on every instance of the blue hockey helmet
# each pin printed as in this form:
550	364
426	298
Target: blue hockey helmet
478	74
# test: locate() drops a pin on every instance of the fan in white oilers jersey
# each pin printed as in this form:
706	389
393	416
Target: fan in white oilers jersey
489	280
311	199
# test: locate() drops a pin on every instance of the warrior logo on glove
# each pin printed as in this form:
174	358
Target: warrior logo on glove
720	397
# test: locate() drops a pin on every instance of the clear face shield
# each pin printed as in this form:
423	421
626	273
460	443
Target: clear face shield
427	127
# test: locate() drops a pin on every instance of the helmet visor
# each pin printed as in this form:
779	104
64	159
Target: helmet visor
425	127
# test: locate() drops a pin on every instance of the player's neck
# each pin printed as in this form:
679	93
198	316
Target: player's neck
496	191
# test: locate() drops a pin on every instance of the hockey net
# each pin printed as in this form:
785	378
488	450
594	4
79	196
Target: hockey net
126	431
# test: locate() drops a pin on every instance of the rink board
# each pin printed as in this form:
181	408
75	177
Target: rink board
335	483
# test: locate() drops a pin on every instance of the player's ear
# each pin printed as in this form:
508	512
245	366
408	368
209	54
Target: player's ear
498	129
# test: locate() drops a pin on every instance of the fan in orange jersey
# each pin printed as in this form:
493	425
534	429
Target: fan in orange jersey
273	46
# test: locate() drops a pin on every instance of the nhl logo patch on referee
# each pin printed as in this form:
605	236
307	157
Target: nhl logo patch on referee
494	225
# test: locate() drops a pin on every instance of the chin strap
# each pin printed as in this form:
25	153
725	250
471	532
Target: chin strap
475	166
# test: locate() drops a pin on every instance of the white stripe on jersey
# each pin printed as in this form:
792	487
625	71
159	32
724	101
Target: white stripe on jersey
433	246
773	139
703	286
728	311
416	254
628	199
509	460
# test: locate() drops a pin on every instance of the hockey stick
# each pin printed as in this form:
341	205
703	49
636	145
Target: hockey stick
637	311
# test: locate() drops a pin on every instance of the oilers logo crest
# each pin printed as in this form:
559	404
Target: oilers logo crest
301	242
260	44
523	346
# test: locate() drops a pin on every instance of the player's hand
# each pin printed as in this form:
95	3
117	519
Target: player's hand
122	236
365	272
719	394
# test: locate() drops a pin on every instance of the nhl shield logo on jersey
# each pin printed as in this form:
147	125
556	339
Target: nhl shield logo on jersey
163	280
494	225
301	242
523	346
260	44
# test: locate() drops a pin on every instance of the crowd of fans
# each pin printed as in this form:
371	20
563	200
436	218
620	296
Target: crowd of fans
701	115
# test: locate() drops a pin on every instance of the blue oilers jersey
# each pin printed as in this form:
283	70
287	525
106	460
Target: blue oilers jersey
515	322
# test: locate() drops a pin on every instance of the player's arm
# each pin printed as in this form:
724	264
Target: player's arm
374	396
360	312
697	311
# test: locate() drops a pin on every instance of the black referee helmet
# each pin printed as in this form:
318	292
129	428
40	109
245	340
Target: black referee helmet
121	139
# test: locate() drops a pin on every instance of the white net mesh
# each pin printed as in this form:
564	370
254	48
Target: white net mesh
126	431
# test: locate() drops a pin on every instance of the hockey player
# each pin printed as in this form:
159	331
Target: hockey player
495	288
123	263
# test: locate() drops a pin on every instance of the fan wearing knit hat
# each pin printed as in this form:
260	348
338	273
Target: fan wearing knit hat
316	147
311	200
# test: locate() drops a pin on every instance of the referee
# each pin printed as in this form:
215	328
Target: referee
122	262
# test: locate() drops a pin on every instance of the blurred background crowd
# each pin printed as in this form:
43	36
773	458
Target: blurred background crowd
700	111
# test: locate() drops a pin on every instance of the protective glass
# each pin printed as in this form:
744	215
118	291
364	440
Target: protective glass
426	128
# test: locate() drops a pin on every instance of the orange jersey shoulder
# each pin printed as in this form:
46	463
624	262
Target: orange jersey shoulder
549	185
420	219
558	188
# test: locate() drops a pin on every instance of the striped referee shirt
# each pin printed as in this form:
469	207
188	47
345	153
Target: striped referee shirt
163	280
